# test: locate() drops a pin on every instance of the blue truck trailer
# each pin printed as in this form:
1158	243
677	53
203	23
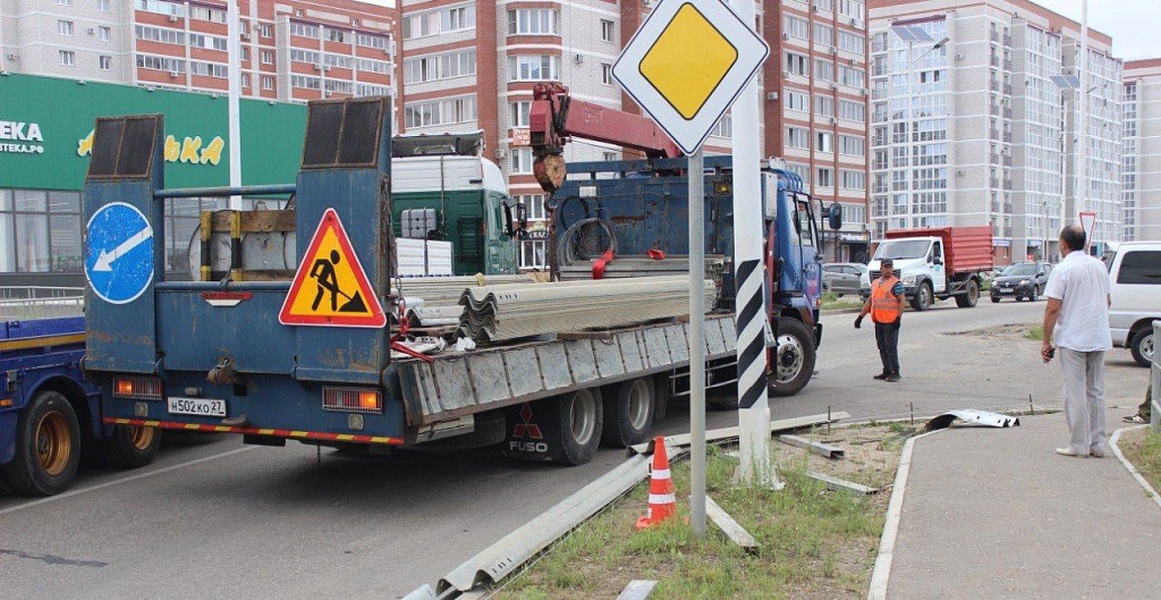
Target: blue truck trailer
50	417
311	358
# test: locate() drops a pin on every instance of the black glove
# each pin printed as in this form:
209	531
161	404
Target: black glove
859	322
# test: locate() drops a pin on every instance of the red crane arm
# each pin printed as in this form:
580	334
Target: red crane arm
555	117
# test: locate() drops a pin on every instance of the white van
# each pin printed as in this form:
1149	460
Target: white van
1135	278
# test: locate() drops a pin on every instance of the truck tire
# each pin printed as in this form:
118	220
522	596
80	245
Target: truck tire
130	447
922	299
1142	345
573	424
628	414
972	296
793	363
48	447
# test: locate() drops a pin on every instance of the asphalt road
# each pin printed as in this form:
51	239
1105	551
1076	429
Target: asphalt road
215	519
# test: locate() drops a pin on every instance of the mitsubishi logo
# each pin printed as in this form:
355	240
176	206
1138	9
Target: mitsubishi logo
527	429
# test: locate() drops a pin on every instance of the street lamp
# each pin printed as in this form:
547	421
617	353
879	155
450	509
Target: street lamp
912	34
1070	83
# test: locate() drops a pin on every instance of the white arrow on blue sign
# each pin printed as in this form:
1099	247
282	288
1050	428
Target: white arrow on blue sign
119	259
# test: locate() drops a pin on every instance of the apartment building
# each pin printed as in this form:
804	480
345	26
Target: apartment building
1141	160
969	128
815	106
290	50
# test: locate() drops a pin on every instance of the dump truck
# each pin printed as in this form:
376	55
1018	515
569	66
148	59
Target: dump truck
50	411
939	262
321	356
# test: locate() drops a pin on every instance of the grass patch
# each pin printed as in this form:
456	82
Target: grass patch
832	301
815	543
1143	449
1036	333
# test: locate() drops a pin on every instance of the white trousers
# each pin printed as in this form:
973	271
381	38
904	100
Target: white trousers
1084	399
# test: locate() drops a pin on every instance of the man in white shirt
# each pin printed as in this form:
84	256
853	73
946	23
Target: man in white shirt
1077	319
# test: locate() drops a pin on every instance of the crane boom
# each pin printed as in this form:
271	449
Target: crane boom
556	117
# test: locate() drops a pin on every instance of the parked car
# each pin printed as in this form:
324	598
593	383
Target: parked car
1021	280
842	278
1135	293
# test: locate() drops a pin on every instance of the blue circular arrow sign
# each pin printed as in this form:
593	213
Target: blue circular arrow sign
119	253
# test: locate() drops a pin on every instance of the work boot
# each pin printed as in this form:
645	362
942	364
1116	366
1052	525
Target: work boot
893	377
881	376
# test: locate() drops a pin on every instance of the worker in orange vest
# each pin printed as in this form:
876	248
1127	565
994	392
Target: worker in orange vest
886	308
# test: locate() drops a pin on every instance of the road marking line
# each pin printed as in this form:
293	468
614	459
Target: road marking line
882	571
1129	466
100	486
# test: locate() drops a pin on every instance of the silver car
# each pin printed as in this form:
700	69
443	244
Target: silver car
842	278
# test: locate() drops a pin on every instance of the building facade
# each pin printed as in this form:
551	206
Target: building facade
1141	162
968	127
292	50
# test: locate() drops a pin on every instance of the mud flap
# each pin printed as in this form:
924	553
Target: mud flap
530	434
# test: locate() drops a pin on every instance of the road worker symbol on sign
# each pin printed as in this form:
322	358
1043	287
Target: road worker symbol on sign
330	288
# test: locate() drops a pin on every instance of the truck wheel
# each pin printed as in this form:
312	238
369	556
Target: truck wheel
578	426
629	415
1142	346
793	364
130	447
922	299
972	296
48	447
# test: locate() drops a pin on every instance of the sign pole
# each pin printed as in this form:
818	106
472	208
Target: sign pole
697	341
750	273
234	75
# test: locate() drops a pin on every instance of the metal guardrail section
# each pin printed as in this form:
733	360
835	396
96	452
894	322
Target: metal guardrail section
466	383
1155	379
40	302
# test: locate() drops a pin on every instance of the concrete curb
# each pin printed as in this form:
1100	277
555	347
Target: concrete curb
882	570
1129	466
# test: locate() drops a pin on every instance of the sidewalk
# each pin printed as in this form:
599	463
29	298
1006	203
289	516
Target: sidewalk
995	513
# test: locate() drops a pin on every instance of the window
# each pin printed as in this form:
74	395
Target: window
853	111
245	80
245	53
103	5
1140	267
606	30
337	35
440	112
852	76
823	69
206	69
173	9
824	106
304	82
205	13
156	34
797	137
824	142
534	204
518	112
823	34
825	177
796	63
65	2
198	40
457	19
377	66
34	238
795	26
439	66
304	56
338	86
609	156
606	74
521	161
797	101
105	63
267	83
266	30
303	30
104	33
850	42
852	145
533	254
267	57
533	21
160	63
533	68
724	127
64	27
68	58
853	180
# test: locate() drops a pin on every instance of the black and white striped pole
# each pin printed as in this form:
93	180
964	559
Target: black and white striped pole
750	273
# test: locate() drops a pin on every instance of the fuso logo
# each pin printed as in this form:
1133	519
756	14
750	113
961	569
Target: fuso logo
527	429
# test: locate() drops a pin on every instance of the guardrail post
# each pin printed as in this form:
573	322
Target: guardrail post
1155	380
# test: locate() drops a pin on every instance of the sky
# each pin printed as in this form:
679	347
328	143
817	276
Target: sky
1131	23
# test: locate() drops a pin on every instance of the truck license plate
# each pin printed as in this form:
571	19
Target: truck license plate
201	407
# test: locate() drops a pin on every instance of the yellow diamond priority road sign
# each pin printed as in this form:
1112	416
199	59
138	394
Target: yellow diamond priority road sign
687	63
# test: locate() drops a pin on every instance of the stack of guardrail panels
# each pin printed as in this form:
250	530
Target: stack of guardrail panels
435	301
505	312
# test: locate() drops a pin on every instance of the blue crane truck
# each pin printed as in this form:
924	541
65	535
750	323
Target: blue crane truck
50	412
315	358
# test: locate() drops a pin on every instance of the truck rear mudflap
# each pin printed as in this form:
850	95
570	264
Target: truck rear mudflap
263	406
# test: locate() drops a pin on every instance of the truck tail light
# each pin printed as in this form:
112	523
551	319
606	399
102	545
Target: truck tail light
139	388
359	400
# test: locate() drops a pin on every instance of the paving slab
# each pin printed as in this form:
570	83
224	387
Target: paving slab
996	513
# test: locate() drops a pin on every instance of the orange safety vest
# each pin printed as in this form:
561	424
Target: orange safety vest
884	304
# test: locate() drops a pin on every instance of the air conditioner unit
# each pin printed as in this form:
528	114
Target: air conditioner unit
851	61
772	96
173	18
500	153
961	173
833	50
326	67
854	22
13	56
959	55
92	30
174	74
786	74
578	58
786	36
245	36
833	120
317	67
864	92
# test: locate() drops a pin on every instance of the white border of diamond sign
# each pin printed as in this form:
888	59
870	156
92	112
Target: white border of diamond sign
690	134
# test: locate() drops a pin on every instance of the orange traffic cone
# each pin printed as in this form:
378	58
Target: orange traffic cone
662	505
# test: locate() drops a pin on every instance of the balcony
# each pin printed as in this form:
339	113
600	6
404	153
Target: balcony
1007	184
995	158
1008	65
1007	160
1008	89
995	134
1007	40
995	36
994	85
995	182
1007	113
1008	136
995	110
995	60
879	140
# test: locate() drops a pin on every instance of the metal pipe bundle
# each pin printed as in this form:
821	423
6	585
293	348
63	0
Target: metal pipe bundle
495	313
